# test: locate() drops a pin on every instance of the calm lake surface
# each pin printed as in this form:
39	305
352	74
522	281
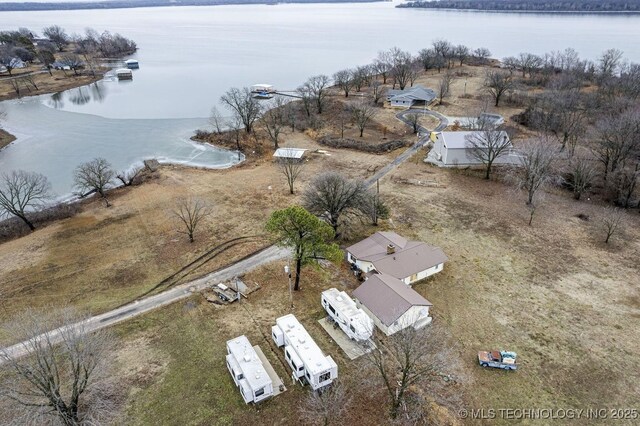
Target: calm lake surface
189	56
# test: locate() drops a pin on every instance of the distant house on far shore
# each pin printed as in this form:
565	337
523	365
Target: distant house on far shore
409	97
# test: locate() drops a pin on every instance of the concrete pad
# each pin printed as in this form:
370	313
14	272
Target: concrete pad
352	349
278	385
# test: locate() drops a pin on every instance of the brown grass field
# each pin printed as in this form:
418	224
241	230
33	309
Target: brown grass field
553	292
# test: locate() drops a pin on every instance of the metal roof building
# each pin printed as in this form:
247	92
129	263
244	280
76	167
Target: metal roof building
392	304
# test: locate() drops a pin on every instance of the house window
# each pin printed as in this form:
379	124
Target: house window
259	392
324	377
352	328
240	376
331	309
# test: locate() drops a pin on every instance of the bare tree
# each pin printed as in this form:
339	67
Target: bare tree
536	171
15	85
374	207
488	145
72	61
377	91
291	169
362	112
58	370
57	35
344	80
625	183
333	197
444	85
461	53
402	64
411	357
235	126
243	105
529	63
306	97
618	139
128	177
274	120
427	58
316	88
216	120
191	212
21	192
611	222
382	65
581	175
94	176
326	406
414	121
497	83
343	117
481	55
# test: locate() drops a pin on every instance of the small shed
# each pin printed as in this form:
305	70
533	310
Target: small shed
247	370
391	304
290	153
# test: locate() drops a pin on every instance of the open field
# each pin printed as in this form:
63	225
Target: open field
103	258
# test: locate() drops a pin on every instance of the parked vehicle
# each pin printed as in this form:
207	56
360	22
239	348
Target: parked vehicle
498	359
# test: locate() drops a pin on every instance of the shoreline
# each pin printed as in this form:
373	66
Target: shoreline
60	84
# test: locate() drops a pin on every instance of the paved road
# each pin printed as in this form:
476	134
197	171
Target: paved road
139	307
265	256
415	147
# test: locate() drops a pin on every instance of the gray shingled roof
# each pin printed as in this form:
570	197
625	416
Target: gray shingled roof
415	93
388	298
409	258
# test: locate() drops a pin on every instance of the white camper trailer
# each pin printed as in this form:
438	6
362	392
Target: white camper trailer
247	370
343	310
303	355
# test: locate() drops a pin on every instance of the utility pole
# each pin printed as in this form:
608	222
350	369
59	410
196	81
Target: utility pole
287	271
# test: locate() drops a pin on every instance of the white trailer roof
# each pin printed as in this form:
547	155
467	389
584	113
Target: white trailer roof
289	153
249	363
310	353
123	71
345	304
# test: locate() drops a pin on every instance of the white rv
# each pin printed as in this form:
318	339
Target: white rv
247	370
343	310
303	355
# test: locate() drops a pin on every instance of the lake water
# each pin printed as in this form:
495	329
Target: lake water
189	56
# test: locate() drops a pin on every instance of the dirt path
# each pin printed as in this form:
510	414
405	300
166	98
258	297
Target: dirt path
139	307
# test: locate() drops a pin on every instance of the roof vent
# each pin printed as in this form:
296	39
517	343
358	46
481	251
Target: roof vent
301	339
339	298
247	358
391	249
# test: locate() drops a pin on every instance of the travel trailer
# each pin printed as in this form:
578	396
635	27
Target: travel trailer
247	370
308	363
343	311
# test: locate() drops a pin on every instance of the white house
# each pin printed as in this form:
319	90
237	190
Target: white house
451	149
247	370
343	310
307	362
391	254
391	304
411	96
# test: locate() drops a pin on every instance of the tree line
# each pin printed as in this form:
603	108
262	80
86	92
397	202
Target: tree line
75	51
531	5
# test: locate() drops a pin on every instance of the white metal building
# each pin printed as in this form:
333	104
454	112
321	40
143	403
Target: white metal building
451	149
303	355
247	370
343	310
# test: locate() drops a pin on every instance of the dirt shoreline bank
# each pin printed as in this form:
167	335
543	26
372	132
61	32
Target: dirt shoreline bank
48	84
5	139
